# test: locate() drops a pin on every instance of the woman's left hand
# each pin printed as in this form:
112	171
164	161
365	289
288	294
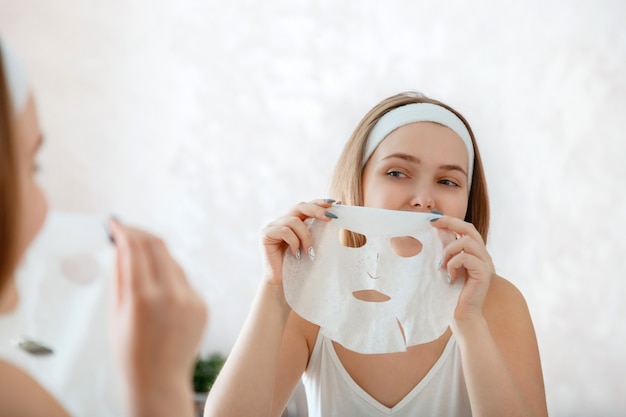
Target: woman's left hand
467	252
158	321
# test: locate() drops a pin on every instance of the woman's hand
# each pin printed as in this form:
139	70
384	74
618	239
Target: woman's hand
289	232
468	253
158	322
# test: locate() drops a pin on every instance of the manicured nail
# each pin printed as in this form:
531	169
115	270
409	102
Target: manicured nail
338	203
449	278
311	253
329	200
436	212
331	215
434	219
107	230
298	254
439	263
32	347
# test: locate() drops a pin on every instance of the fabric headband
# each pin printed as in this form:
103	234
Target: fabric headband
16	79
420	112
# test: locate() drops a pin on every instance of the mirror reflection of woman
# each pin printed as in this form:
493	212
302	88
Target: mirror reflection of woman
485	364
157	316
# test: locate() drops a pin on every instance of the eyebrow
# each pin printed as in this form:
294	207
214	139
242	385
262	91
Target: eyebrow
406	157
411	158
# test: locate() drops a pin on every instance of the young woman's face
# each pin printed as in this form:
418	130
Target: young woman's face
33	204
418	167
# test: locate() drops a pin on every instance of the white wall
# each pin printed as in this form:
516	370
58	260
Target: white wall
203	120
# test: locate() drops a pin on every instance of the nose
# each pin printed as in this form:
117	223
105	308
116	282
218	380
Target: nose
423	199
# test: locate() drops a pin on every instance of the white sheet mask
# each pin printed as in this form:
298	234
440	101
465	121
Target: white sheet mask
400	266
66	283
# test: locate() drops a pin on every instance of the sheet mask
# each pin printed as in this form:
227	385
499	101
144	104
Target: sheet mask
66	284
400	266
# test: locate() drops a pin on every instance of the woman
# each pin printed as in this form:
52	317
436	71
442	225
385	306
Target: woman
158	317
408	153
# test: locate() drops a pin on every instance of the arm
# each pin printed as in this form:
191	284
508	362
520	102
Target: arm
500	356
494	331
245	385
271	351
158	321
257	376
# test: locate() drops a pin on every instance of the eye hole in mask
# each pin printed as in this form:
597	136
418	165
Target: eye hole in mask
351	239
406	246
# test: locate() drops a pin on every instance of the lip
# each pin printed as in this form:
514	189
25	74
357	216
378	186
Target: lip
371	296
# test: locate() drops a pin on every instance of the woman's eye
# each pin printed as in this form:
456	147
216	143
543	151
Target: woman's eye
396	174
449	182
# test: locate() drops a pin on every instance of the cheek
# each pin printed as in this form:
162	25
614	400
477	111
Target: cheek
373	193
378	199
453	205
462	208
380	195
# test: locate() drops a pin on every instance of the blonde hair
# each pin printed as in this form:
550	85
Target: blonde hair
9	213
347	187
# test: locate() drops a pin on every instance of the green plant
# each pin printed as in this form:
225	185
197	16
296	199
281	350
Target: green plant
206	371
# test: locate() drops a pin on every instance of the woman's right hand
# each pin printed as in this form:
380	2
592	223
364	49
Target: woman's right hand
289	232
270	353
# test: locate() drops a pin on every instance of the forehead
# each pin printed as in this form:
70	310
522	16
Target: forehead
425	141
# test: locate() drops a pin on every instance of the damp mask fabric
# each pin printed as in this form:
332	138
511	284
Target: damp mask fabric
400	261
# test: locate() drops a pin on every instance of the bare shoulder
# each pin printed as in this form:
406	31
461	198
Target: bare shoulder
508	318
23	396
511	326
504	303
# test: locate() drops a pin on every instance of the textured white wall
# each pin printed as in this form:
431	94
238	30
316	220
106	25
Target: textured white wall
203	120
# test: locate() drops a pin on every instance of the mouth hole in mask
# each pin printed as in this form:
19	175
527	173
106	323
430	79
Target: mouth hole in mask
406	246
351	239
371	296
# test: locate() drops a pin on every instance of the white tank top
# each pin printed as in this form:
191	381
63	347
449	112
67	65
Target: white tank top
331	391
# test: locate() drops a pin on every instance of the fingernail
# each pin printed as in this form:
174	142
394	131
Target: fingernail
331	215
107	230
436	212
338	203
311	253
32	347
329	200
298	254
434	219
449	278
439	263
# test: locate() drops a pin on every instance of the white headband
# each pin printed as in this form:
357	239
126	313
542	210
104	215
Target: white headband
420	112
16	79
